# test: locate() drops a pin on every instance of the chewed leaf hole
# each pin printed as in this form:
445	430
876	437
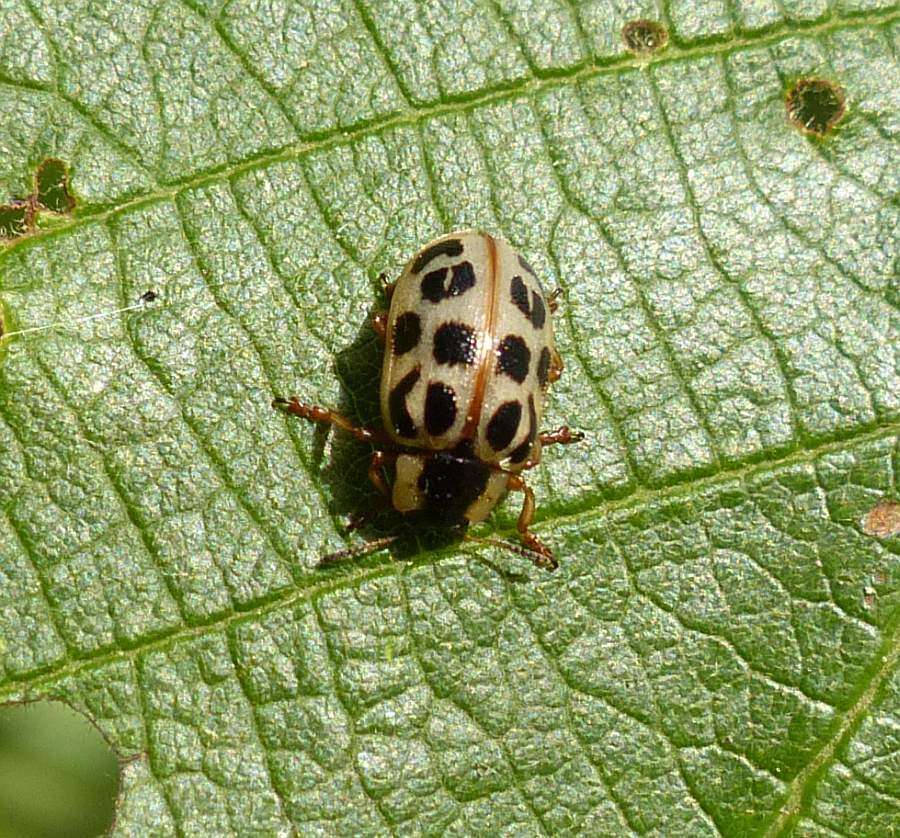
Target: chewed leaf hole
644	36
51	186
15	219
50	193
58	775
883	520
815	106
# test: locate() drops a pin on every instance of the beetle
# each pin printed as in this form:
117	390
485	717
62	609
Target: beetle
468	357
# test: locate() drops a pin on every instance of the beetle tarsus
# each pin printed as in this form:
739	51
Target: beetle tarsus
543	555
561	436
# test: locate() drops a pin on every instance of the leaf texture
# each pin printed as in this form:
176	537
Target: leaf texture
717	653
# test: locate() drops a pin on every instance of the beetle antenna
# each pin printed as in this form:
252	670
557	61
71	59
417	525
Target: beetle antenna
536	558
360	550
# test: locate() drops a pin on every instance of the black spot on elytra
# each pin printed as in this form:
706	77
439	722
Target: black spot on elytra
518	292
454	343
513	358
644	36
815	106
536	312
400	416
523	450
451	484
407	331
543	367
501	430
440	408
463	278
450	247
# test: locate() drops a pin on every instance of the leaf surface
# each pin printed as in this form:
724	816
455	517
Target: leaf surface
717	653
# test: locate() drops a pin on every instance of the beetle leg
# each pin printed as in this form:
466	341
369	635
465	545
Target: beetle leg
386	285
561	436
379	460
544	557
379	324
553	299
556	367
314	413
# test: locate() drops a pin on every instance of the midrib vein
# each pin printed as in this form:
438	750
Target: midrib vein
288	597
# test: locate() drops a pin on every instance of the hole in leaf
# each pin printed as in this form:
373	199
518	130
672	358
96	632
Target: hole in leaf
16	219
644	36
58	775
883	520
51	186
815	106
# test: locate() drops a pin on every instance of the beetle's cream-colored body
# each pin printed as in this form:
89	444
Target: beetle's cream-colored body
468	356
466	280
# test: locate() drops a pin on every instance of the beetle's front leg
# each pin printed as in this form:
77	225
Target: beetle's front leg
380	318
314	413
386	285
544	558
561	436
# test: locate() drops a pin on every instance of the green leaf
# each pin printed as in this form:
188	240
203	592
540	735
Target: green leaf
718	651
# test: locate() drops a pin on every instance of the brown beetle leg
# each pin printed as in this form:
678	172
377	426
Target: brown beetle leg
553	299
379	460
561	436
379	324
544	557
314	413
386	285
556	367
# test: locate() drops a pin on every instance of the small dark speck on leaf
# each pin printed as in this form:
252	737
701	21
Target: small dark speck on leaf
883	519
644	36
149	296
815	106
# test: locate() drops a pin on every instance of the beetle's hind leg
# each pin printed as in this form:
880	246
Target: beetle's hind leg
544	557
315	413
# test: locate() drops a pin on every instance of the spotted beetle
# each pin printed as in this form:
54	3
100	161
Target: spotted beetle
468	356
